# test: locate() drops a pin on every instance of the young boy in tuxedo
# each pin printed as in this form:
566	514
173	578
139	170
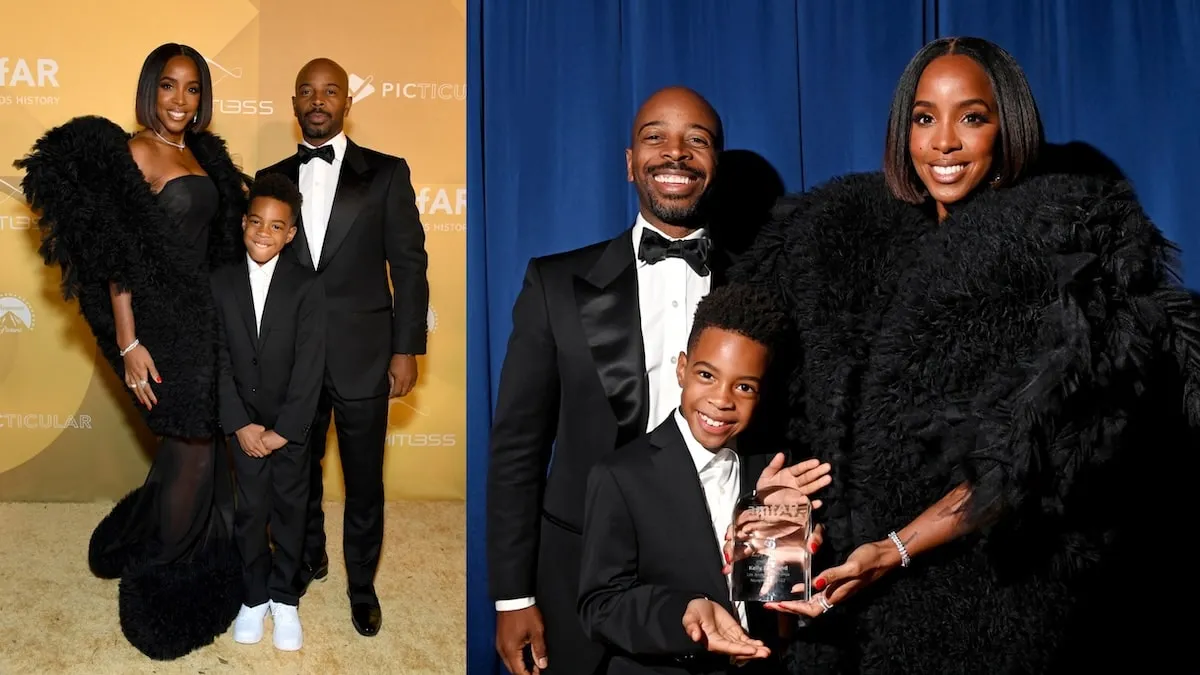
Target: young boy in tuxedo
271	319
657	510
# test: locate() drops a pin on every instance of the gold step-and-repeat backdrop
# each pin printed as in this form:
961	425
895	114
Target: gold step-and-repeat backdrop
67	429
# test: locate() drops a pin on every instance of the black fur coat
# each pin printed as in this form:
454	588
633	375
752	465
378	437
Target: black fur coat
1035	344
101	223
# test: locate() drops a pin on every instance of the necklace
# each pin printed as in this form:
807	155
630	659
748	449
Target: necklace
164	140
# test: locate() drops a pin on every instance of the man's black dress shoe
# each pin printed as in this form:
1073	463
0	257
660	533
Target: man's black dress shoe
310	572
366	618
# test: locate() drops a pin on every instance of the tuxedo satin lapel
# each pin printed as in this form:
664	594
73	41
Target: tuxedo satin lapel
718	265
348	201
245	299
692	522
291	168
299	245
608	309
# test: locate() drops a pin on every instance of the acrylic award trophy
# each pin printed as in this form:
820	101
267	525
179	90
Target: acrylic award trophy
771	558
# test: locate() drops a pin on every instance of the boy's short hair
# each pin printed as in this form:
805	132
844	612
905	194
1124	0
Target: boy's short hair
280	187
743	309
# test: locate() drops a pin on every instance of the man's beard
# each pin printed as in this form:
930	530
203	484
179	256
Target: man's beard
676	212
311	131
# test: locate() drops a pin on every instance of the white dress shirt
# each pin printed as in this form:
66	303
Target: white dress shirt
318	184
720	476
668	293
260	283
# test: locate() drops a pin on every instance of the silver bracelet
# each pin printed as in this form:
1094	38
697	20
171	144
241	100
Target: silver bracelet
904	559
129	348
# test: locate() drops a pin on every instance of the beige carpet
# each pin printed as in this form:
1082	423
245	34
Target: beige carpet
55	617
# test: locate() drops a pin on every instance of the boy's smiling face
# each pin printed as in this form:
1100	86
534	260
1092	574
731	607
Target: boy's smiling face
267	227
720	380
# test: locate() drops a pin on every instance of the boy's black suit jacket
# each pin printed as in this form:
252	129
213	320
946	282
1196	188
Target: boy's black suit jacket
271	376
648	550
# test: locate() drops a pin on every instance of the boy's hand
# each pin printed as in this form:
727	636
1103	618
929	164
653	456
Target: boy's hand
708	623
250	438
273	441
807	476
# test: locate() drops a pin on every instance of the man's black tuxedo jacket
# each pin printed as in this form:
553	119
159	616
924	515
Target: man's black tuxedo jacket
648	550
574	378
271	376
374	228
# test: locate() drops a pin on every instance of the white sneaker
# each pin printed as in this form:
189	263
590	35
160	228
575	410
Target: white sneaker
288	636
248	627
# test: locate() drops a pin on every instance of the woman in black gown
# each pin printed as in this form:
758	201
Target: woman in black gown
995	355
136	223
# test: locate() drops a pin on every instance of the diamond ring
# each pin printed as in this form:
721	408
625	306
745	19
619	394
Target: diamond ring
825	604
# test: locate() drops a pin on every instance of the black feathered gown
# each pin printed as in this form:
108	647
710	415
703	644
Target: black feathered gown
1035	344
169	541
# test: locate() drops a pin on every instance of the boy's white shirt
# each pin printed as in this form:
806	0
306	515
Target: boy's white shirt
260	284
720	476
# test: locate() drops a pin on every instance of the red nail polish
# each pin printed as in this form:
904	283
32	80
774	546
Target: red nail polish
813	547
819	584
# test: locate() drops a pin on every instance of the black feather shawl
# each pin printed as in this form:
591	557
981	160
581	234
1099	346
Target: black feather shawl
1036	344
101	223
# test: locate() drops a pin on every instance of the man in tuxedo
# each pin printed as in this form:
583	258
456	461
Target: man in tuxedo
591	366
359	223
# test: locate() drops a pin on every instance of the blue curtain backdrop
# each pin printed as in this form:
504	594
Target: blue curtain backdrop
803	83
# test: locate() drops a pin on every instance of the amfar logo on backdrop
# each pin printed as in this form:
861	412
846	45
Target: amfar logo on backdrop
17	74
15	314
235	106
362	87
437	202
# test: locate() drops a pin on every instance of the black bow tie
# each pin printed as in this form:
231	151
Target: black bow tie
655	247
306	153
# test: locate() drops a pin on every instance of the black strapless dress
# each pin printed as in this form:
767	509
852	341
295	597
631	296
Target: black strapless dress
191	201
170	541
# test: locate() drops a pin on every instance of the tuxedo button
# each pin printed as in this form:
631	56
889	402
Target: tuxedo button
673	358
253	390
254	362
674	303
